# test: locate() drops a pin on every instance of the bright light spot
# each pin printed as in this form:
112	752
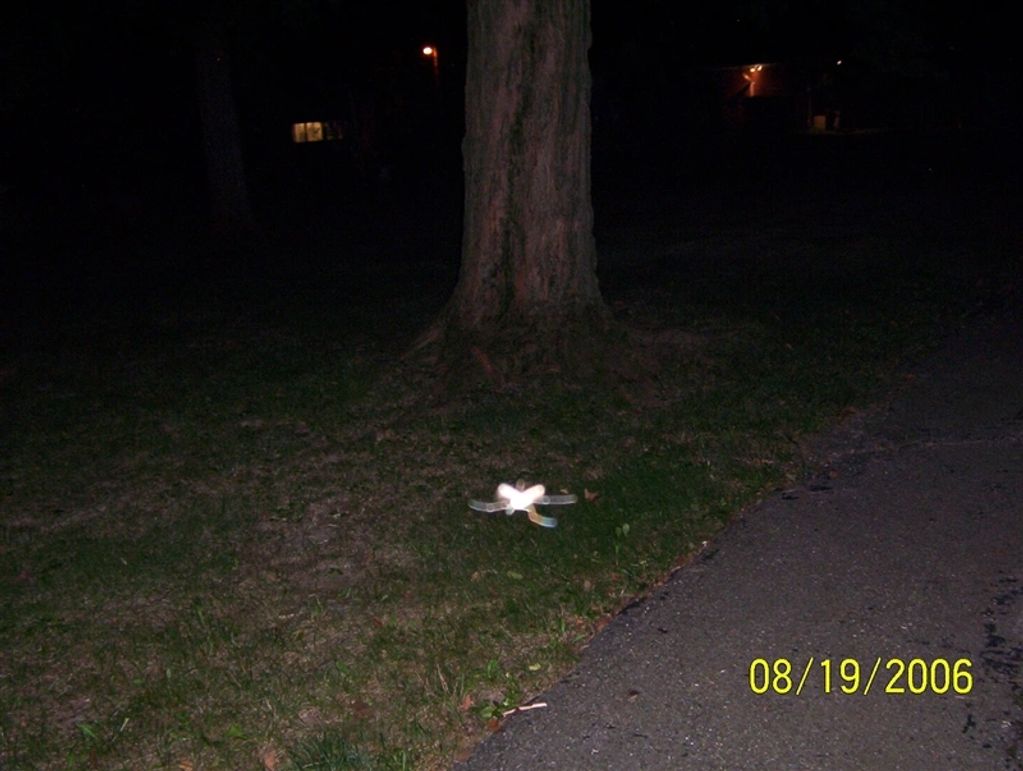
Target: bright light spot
308	131
839	62
427	50
317	131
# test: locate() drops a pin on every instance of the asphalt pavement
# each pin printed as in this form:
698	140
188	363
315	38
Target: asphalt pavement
895	573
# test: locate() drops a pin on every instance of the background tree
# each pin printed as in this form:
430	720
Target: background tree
230	208
527	297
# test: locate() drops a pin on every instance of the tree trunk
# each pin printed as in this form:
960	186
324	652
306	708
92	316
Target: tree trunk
230	211
527	290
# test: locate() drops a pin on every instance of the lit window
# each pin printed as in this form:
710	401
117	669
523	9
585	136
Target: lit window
317	131
311	131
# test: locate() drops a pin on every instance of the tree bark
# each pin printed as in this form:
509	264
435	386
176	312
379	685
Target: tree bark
528	273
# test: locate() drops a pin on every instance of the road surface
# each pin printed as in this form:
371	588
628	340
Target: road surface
905	553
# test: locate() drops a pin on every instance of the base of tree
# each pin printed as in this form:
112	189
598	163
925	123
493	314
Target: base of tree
589	348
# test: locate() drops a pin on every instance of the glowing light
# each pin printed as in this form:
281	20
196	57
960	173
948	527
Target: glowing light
431	53
317	131
307	131
751	74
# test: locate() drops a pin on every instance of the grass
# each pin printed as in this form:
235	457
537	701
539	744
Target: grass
232	541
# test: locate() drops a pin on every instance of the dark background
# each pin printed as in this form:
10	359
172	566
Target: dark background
102	175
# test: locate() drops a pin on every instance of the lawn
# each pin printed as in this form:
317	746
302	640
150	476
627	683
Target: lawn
234	530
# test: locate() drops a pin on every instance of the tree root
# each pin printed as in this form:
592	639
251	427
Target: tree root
510	354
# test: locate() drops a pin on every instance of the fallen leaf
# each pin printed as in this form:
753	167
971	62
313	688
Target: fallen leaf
590	496
467	703
269	759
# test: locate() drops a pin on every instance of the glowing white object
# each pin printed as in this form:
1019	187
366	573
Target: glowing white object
512	498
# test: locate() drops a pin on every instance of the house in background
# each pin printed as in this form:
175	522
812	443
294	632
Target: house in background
766	98
772	98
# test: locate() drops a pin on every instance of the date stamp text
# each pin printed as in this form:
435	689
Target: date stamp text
894	676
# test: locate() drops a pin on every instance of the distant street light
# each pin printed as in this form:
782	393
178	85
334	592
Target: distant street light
752	75
431	53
